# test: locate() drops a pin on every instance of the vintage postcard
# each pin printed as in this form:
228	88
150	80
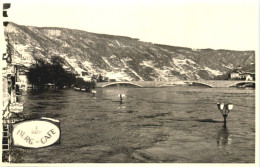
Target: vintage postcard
111	82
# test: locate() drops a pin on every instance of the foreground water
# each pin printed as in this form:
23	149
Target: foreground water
174	124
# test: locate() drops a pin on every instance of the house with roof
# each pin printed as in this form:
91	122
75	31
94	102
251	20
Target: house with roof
22	80
235	74
238	74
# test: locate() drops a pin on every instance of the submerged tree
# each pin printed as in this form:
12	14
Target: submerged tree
38	74
43	72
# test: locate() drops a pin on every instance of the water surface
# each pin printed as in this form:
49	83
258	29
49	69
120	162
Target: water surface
173	124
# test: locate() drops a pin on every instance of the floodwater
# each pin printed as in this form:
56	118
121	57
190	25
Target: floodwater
172	125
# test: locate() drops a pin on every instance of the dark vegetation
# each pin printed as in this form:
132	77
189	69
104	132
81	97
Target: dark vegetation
44	75
88	85
222	77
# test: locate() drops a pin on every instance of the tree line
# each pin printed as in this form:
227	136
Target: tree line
43	73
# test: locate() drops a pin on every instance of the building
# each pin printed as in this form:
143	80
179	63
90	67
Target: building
237	74
21	79
86	78
248	76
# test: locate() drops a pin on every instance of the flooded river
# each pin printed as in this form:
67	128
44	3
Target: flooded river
174	124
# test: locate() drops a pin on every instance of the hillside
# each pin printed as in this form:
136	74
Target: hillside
121	58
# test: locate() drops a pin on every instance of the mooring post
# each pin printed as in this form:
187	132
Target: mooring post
121	96
121	99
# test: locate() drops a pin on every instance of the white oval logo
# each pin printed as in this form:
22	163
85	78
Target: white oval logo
35	133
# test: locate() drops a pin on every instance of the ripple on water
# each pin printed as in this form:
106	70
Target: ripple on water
152	125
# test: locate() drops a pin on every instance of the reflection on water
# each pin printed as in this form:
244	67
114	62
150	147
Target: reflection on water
223	138
175	124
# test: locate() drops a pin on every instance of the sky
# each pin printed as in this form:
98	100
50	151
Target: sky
222	24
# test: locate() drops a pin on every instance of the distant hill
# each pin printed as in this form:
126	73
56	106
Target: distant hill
249	68
121	58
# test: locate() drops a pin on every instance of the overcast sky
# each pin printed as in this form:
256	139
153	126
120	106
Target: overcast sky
197	24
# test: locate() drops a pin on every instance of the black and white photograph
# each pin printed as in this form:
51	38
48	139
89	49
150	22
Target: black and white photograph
146	82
